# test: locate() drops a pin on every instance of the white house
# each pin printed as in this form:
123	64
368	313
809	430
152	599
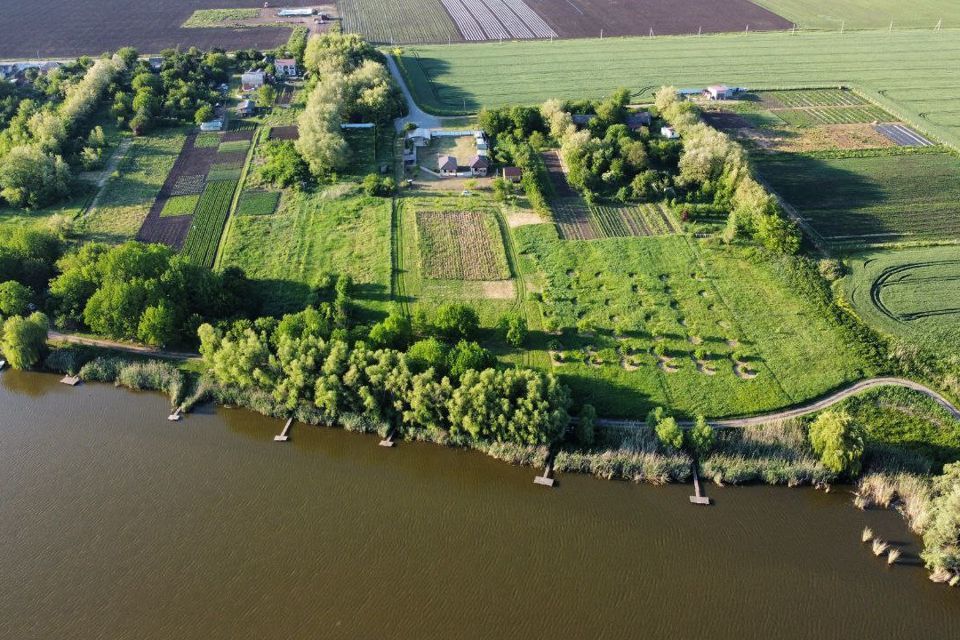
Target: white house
252	80
286	67
669	133
718	92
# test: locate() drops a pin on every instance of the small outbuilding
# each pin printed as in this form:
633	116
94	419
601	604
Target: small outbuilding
479	166
719	92
447	165
286	67
252	80
246	108
512	174
212	125
669	133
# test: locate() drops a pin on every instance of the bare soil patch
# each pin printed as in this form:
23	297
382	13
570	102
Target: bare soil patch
499	289
290	132
68	28
586	18
520	218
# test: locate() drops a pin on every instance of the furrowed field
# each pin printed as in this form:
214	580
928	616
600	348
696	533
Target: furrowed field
872	199
398	21
910	72
865	14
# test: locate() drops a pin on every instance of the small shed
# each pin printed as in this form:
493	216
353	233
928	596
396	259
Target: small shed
286	67
252	80
447	165
718	92
246	108
155	62
212	125
669	133
513	174
639	119
304	12
479	165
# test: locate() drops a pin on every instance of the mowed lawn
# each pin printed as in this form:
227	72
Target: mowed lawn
865	14
910	72
912	294
333	231
125	201
872	199
733	337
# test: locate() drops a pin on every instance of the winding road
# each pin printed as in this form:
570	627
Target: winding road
812	407
415	114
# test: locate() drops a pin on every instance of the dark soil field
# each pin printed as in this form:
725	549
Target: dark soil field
68	28
192	161
586	18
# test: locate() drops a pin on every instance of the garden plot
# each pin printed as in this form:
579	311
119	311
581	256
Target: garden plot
461	245
195	170
398	21
289	132
902	135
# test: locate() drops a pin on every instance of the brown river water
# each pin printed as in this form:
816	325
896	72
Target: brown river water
115	523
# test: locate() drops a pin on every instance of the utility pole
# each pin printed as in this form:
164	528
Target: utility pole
699	31
601	34
939	24
843	24
891	26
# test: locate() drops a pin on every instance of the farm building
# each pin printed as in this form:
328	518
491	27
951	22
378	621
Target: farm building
252	79
295	13
246	108
479	165
447	165
719	92
640	119
286	67
669	133
512	174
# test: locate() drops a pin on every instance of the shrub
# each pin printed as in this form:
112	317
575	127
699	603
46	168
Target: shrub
838	440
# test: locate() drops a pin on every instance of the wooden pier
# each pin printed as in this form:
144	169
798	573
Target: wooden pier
699	498
176	416
3	365
285	434
70	380
546	479
388	441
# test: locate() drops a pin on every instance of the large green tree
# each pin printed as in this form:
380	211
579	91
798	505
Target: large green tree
838	440
24	340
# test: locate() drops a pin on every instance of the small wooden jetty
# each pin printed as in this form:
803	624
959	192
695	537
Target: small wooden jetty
699	498
285	434
70	380
3	365
546	479
176	416
388	441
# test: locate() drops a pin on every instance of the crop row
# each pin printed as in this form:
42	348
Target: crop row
208	222
497	20
833	115
400	21
816	98
463	245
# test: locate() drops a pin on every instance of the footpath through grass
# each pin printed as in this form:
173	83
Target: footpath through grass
911	72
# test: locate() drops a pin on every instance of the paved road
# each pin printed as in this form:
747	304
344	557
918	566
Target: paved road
813	407
414	113
127	347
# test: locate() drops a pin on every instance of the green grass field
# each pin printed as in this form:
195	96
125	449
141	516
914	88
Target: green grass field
49	218
865	14
398	21
907	71
874	199
258	203
126	199
732	336
335	230
912	294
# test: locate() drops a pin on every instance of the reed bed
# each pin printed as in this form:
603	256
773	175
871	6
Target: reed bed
867	535
149	375
893	555
908	493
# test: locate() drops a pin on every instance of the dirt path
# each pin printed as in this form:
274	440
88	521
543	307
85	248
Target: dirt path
813	407
107	171
126	347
